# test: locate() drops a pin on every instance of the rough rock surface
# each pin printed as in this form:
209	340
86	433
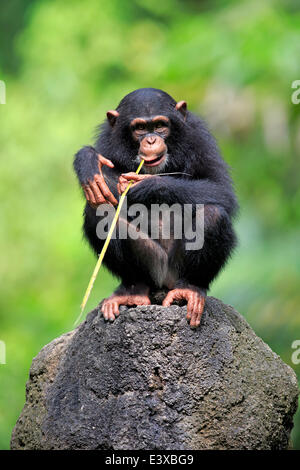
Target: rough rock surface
148	381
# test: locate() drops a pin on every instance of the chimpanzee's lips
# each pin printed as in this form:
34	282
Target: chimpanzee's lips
156	160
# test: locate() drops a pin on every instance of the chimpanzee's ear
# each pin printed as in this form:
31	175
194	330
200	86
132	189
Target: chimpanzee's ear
112	117
182	107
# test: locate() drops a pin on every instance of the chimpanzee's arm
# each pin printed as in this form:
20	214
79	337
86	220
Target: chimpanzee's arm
88	166
170	190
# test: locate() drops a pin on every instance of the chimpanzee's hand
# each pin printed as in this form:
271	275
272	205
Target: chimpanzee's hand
195	299
96	190
125	179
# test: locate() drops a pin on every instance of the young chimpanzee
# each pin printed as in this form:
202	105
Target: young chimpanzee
182	166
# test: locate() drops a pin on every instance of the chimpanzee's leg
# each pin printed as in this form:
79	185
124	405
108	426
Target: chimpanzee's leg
198	268
141	263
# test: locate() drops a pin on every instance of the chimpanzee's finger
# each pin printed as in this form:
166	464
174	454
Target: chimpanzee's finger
169	299
131	176
201	306
111	316
105	161
92	199
194	301
193	308
134	177
122	185
108	195
99	198
145	301
189	309
86	193
121	188
197	312
104	311
195	320
107	311
115	309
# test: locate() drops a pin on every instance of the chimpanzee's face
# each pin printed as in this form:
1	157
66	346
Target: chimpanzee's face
144	116
151	134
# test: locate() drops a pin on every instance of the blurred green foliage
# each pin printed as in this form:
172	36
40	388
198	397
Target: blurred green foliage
64	65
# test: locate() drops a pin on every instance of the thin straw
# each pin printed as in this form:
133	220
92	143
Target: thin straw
105	246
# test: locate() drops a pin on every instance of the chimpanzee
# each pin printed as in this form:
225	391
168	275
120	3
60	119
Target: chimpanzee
182	165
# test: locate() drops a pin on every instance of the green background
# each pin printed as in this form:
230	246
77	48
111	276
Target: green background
66	63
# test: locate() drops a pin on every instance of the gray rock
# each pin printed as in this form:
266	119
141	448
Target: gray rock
149	381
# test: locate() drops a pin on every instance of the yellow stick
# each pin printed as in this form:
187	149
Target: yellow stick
103	251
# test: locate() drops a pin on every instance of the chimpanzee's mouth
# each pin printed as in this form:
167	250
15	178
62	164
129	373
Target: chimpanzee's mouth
157	160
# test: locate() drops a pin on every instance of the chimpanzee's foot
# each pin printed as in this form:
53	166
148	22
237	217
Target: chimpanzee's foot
136	295
195	298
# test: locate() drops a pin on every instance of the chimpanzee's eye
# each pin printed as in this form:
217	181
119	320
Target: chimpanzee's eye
140	127
160	125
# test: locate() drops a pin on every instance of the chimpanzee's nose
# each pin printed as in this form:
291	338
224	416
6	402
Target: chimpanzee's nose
151	139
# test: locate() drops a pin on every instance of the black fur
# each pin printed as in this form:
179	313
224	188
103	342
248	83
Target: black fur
192	150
